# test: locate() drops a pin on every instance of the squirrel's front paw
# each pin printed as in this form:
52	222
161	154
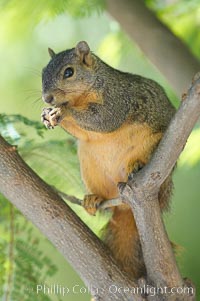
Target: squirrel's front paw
52	116
91	203
45	117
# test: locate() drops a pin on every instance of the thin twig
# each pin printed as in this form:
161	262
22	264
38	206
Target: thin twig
74	200
69	198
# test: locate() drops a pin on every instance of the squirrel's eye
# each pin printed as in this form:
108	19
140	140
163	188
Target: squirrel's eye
68	72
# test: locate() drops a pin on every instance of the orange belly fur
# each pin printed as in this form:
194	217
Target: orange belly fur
106	159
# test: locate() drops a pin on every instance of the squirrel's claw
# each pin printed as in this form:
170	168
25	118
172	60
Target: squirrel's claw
55	116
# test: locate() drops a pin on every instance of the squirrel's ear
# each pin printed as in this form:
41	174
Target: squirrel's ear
51	52
83	51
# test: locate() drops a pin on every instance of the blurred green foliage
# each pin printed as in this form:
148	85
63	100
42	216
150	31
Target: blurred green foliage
182	17
23	263
27	28
14	11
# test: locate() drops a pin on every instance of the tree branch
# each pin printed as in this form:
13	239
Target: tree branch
141	193
41	205
167	52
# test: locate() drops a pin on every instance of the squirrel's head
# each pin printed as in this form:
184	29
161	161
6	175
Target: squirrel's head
69	76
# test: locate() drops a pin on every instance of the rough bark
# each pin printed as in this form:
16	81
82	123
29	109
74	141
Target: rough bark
167	52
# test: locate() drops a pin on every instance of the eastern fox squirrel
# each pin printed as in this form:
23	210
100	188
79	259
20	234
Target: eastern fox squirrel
118	119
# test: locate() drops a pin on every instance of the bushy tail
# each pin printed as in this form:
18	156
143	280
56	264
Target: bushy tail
121	237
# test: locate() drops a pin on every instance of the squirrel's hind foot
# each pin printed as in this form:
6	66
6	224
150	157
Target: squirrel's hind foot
91	203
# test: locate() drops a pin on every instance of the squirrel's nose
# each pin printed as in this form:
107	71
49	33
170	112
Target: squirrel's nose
48	98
